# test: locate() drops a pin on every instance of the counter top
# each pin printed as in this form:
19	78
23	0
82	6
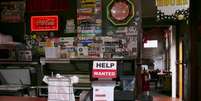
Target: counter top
20	98
18	62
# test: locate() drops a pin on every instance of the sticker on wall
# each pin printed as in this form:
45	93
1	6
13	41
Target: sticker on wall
70	26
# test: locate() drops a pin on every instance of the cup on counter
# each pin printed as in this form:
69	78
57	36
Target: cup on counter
52	52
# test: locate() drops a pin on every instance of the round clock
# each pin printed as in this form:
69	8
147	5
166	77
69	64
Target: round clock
120	11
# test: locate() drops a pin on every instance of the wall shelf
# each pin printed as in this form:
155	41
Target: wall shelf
19	62
44	60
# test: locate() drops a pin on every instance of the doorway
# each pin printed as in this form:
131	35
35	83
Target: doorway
159	59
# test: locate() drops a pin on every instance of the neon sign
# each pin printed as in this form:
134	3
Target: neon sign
44	23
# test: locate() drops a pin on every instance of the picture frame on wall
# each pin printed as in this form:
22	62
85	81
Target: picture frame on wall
12	12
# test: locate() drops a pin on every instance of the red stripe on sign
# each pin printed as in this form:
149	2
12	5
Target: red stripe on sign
104	73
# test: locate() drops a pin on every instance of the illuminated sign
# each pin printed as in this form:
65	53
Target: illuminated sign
44	23
104	69
170	7
171	2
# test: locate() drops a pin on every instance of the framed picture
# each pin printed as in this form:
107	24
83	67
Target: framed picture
12	12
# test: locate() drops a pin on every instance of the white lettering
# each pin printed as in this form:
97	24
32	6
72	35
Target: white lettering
104	65
104	73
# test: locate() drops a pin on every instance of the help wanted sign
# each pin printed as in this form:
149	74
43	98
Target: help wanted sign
104	69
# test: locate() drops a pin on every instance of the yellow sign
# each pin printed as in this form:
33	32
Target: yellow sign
88	1
171	2
181	2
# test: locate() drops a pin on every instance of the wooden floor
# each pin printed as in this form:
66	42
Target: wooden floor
18	98
15	98
165	98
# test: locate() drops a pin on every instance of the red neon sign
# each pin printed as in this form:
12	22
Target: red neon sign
44	23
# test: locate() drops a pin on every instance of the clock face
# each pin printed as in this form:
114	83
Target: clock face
120	11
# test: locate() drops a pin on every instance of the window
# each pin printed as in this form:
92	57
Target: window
151	44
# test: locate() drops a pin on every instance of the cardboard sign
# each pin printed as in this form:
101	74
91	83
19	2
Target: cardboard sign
104	69
44	23
103	90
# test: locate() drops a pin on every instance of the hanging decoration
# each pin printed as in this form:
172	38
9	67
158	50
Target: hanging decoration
172	9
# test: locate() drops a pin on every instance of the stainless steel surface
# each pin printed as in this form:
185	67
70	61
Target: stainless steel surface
80	88
44	60
16	62
11	87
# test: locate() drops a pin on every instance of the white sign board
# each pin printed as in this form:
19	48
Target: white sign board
104	69
103	90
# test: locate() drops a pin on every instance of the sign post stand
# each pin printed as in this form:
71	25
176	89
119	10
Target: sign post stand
103	88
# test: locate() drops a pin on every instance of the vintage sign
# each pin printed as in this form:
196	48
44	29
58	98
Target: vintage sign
44	23
104	69
169	7
120	12
12	12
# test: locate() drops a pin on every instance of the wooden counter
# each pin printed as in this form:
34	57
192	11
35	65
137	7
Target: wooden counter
20	98
165	98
